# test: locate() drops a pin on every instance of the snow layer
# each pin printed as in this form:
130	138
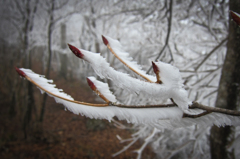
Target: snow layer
171	89
45	83
160	118
138	116
171	78
118	49
104	89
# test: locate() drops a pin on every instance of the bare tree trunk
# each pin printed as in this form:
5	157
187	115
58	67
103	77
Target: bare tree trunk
63	57
63	36
228	91
50	28
29	94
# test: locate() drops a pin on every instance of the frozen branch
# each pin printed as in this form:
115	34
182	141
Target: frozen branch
215	109
115	47
180	113
44	86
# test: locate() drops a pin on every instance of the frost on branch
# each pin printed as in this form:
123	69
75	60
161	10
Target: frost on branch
102	111
116	48
101	89
173	88
166	85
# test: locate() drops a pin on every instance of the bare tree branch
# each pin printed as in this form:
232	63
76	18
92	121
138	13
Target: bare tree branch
215	109
168	33
210	53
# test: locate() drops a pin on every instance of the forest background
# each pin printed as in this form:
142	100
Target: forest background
191	35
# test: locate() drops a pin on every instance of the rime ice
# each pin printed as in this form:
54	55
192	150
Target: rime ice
172	86
160	118
104	89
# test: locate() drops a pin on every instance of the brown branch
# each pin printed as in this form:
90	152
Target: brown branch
214	109
144	106
195	116
195	105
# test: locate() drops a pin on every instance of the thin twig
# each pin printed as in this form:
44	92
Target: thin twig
195	116
215	109
145	106
168	33
113	52
210	53
73	101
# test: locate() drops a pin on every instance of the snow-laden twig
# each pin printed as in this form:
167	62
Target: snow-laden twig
101	89
126	147
117	50
102	111
169	85
172	86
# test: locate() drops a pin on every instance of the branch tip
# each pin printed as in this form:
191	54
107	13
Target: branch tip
76	51
155	68
156	71
20	72
91	84
94	88
105	41
236	17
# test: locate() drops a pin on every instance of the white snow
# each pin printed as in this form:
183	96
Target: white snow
103	89
160	118
171	87
45	83
118	49
137	116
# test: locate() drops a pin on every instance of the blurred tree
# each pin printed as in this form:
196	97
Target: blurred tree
49	50
63	57
28	16
22	17
52	7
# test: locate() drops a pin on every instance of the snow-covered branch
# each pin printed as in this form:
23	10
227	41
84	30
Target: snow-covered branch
168	85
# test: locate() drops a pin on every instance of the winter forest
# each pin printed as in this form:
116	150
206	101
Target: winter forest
126	79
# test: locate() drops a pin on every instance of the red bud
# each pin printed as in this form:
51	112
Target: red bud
155	68
105	41
156	71
76	51
236	17
91	84
20	72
